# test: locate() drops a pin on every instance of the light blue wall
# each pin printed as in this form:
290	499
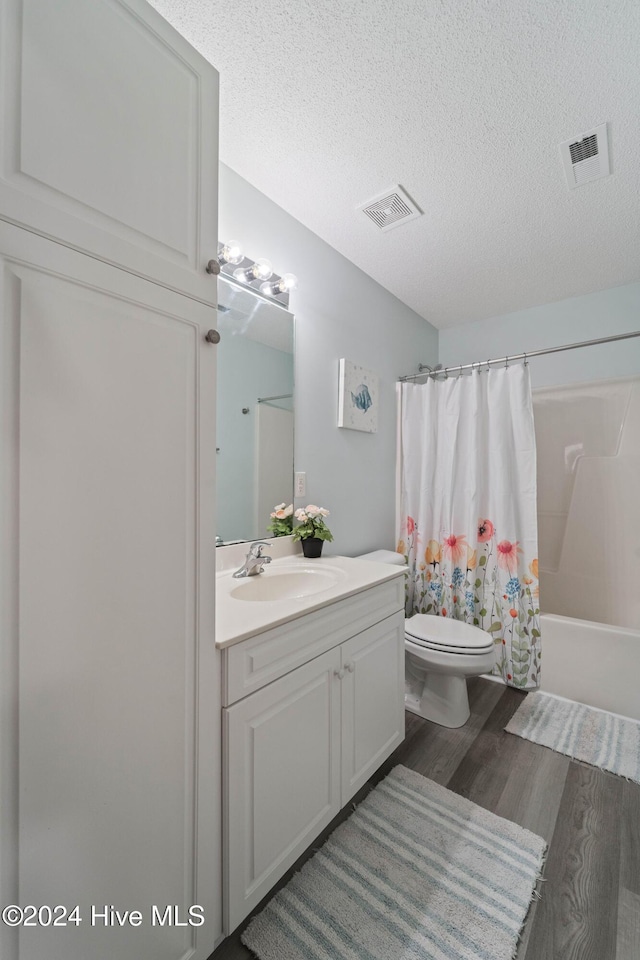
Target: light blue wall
594	315
340	312
246	370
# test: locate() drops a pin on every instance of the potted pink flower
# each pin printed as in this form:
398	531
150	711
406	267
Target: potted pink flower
312	531
281	520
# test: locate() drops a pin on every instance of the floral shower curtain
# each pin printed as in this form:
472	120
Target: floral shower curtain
467	507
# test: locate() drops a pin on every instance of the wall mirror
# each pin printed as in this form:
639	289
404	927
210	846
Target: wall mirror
255	412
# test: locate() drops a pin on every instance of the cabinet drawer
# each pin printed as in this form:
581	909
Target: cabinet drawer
253	663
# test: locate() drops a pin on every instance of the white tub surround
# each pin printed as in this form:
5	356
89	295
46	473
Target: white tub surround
237	619
313	696
588	441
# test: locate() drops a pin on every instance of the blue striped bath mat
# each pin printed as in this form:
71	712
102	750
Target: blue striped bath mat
602	739
415	873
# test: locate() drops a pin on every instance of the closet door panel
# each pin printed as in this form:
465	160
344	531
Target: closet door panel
109	122
109	667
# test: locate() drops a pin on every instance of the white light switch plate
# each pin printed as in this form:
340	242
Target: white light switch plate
301	484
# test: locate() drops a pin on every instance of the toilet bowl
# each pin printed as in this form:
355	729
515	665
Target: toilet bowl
440	653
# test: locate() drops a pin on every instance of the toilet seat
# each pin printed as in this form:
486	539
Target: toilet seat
447	636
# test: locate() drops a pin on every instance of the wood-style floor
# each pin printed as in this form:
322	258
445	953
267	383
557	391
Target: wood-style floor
590	907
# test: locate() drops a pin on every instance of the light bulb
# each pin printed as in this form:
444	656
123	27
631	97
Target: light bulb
262	270
231	252
283	285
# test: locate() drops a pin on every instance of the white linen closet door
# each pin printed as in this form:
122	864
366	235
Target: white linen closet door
109	677
109	136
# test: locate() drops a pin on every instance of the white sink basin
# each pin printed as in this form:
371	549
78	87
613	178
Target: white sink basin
290	587
287	584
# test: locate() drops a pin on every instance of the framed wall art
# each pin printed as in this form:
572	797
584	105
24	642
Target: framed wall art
357	398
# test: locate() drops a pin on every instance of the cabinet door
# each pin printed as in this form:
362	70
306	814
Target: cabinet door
372	701
283	778
108	126
110	744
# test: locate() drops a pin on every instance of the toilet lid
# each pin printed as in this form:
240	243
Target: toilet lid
447	635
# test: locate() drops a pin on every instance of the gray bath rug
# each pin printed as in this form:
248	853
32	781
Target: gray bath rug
415	873
581	732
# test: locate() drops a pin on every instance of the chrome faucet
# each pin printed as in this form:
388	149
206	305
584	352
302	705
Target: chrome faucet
254	561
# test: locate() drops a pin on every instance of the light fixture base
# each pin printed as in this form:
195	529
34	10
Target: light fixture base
228	270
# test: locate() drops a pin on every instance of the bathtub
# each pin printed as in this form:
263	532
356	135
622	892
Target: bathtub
592	663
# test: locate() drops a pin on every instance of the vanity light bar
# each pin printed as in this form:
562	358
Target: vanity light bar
257	275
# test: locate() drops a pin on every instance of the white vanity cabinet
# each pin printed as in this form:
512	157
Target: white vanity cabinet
299	747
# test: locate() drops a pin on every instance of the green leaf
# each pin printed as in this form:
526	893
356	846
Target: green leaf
530	612
483	612
534	632
476	621
429	607
495	626
478	583
482	561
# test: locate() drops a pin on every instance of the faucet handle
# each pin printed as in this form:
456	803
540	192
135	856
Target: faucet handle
255	550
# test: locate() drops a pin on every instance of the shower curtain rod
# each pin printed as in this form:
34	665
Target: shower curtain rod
431	372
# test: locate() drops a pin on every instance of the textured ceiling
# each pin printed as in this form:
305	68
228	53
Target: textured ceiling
324	105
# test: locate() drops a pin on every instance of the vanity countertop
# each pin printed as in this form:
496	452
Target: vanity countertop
332	579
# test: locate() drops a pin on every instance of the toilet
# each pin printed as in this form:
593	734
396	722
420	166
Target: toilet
440	653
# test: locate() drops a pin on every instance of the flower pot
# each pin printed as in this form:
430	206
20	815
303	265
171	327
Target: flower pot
312	547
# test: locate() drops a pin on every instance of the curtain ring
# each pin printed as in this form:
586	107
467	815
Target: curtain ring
459	372
488	366
506	363
526	362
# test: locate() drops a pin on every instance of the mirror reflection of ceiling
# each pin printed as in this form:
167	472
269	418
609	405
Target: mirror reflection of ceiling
241	312
255	412
464	105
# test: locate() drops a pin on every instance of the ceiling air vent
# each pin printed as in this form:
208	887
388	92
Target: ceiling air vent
390	209
586	157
